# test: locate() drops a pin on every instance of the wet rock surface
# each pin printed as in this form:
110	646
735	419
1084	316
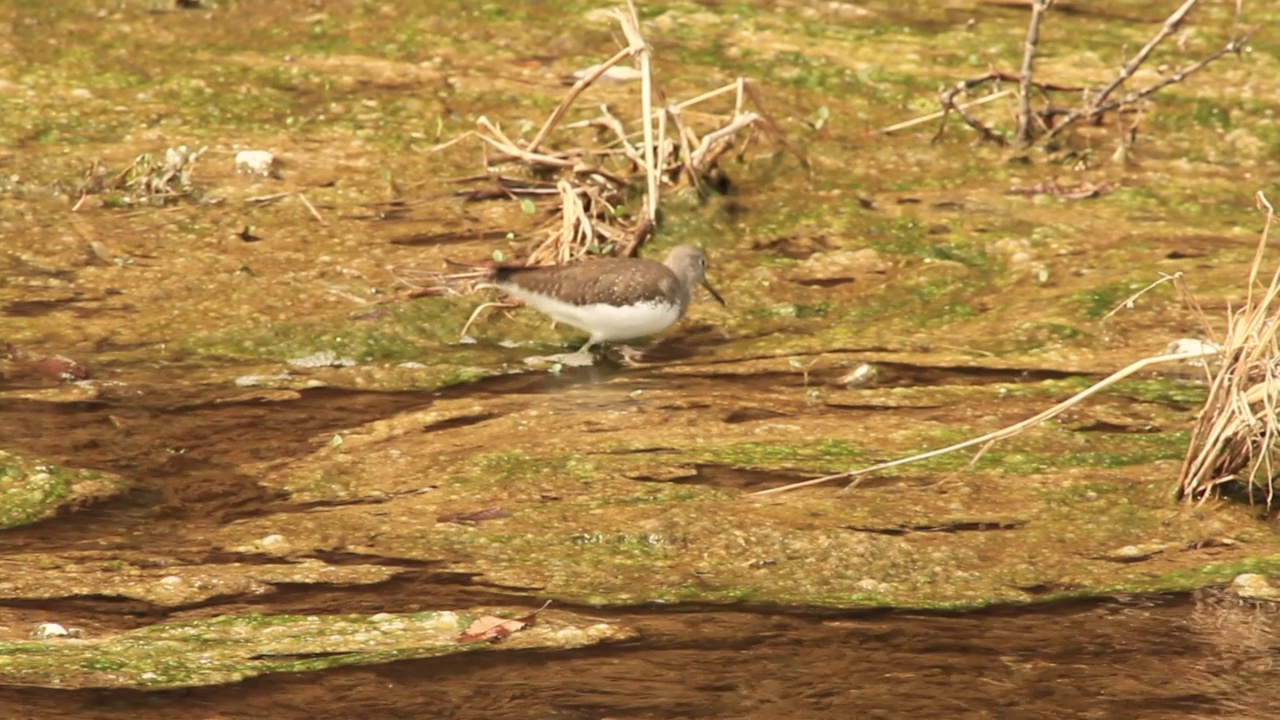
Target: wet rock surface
238	449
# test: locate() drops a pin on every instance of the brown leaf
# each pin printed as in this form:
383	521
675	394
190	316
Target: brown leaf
57	367
492	629
54	367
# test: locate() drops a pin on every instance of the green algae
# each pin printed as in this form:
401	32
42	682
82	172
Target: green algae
233	648
31	490
579	529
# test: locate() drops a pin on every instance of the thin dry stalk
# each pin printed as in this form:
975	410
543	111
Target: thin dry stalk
630	22
311	208
501	142
698	159
1128	302
942	113
577	90
1002	434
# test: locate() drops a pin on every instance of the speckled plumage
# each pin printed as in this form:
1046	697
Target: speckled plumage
612	298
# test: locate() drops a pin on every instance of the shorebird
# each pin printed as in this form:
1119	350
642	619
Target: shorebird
611	298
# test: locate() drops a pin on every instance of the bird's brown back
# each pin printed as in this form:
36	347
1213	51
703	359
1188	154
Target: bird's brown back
615	281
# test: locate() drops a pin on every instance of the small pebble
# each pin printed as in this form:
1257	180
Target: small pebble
255	162
47	630
860	376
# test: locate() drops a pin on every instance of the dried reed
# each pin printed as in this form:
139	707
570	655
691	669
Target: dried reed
1234	439
592	184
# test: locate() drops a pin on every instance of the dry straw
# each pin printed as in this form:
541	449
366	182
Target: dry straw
1233	442
592	183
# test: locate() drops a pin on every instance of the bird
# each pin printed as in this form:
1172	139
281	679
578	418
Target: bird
611	298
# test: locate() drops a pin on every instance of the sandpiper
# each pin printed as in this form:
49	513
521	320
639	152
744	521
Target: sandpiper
611	298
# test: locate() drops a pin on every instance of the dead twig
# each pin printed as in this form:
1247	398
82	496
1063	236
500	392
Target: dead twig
310	208
948	99
942	113
1048	122
1098	110
1025	117
994	77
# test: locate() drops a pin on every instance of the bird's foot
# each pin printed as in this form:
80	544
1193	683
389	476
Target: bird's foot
633	356
581	358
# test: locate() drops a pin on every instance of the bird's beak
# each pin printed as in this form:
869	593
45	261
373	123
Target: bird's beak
713	292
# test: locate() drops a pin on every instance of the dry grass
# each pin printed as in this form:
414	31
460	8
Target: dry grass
586	189
149	180
1233	442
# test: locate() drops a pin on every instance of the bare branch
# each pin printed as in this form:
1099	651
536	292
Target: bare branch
948	99
1038	9
1235	46
1170	26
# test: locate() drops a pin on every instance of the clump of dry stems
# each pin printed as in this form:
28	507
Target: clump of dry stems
1234	440
588	187
148	180
1039	117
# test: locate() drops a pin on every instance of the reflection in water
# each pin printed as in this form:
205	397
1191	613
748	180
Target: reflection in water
1241	639
1131	659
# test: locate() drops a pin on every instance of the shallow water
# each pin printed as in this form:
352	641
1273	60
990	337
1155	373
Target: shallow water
273	430
1135	658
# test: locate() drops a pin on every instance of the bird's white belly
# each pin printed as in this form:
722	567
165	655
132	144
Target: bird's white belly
606	322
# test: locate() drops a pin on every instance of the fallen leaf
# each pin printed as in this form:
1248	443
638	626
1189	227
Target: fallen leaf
57	367
54	367
489	628
493	629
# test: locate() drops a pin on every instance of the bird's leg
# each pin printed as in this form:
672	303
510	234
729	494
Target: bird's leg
583	357
580	358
